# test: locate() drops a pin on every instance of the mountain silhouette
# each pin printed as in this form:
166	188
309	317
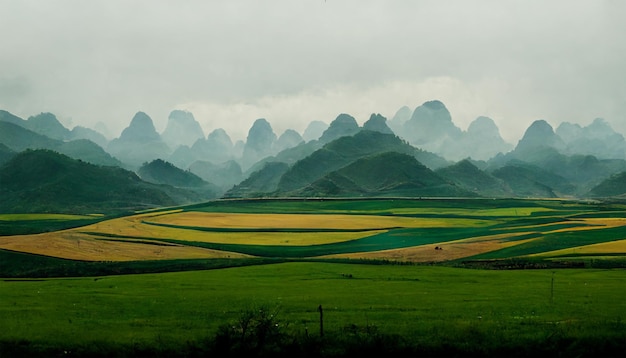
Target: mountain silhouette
139	142
259	143
343	125
377	123
182	129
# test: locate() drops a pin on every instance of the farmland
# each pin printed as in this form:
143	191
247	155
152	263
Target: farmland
391	275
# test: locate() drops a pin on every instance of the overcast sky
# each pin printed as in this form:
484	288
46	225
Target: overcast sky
294	61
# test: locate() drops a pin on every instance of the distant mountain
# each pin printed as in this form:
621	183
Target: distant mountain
79	132
345	150
259	143
225	175
468	176
139	142
101	127
46	181
597	139
539	148
430	127
182	129
383	174
343	125
6	116
47	124
216	148
260	183
289	139
613	186
539	135
18	139
481	141
377	123
399	118
182	157
314	130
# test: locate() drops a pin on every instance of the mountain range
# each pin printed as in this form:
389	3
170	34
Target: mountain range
417	153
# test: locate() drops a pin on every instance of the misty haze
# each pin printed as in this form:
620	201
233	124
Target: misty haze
314	178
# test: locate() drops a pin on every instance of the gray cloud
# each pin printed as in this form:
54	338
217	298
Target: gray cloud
296	61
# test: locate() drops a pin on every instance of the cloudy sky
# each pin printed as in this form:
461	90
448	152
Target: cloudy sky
294	61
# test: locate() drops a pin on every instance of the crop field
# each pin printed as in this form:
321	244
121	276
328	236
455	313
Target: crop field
390	274
417	231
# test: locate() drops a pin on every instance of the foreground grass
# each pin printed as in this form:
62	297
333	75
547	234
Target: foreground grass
410	308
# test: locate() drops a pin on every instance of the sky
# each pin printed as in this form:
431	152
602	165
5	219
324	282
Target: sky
295	61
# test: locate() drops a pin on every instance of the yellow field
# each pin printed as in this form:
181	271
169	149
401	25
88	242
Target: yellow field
133	237
85	243
305	221
449	250
74	245
133	227
613	247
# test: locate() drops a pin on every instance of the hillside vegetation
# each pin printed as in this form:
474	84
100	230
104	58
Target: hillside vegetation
45	181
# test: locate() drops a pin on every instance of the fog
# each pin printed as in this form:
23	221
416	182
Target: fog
292	62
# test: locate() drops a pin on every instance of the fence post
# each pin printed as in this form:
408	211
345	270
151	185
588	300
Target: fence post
321	320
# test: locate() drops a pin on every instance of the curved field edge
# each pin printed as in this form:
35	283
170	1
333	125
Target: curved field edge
24	265
552	226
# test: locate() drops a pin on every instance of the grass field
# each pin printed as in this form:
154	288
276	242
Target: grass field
388	274
430	306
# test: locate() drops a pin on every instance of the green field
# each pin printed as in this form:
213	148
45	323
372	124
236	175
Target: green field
465	310
266	304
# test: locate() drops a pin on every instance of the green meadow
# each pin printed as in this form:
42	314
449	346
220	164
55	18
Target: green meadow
471	311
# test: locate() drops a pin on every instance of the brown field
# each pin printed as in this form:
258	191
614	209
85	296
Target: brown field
74	245
305	221
450	250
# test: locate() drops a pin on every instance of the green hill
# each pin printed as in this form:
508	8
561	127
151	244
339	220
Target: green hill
610	187
18	139
583	171
344	151
159	171
527	180
6	116
46	181
385	174
260	183
468	176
